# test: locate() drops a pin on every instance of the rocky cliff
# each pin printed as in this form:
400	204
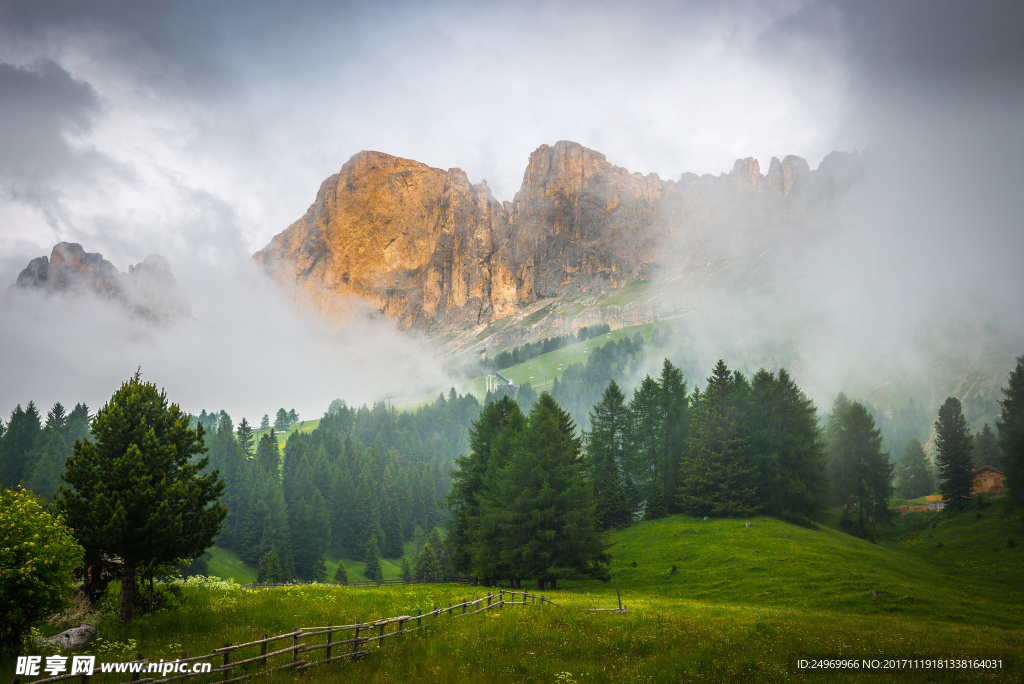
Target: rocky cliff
149	289
432	250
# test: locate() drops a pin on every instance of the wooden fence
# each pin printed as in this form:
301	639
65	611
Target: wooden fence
231	664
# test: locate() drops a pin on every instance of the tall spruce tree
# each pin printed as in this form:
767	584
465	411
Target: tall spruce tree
675	423
19	439
373	570
1011	432
717	479
953	447
245	437
914	472
609	430
391	518
787	453
644	449
488	562
468	481
544	503
268	456
860	472
986	448
427	564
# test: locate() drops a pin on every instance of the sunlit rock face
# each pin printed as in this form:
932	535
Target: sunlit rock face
431	250
148	290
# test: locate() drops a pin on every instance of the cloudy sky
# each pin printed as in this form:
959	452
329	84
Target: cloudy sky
199	130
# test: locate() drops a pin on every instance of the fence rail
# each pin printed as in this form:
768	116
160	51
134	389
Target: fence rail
363	634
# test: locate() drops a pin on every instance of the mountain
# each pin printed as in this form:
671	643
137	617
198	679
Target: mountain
433	251
148	290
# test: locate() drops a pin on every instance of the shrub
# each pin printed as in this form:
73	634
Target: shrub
38	554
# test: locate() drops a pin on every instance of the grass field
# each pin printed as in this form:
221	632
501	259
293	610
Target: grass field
739	605
282	437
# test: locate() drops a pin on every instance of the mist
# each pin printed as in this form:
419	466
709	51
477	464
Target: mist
244	349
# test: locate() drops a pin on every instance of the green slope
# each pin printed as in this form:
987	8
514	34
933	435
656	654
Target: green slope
776	564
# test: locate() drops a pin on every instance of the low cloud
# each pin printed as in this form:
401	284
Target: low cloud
245	350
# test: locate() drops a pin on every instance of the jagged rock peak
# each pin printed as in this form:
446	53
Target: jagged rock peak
148	289
430	249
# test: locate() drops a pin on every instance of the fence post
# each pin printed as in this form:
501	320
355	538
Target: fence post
488	599
400	623
449	609
617	592
419	617
463	607
295	645
355	640
135	675
227	659
329	635
263	650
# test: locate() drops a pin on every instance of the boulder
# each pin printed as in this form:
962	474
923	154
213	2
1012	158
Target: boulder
74	639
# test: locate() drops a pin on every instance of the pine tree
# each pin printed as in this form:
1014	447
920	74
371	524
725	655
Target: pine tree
341	574
19	439
611	508
468	481
953	454
245	437
364	520
268	456
675	410
655	501
406	569
426	565
269	571
526	396
281	420
986	448
787	453
718	480
644	449
914	472
136	491
48	459
606	443
373	569
391	519
860	471
1011	432
544	505
266	524
265	423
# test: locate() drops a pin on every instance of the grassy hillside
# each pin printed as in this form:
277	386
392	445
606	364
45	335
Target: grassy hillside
282	437
776	564
227	564
740	604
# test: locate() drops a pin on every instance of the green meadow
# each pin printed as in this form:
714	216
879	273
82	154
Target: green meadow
707	600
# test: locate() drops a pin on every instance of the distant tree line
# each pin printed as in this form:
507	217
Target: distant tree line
531	350
362	483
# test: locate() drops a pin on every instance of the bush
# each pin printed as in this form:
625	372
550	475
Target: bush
38	555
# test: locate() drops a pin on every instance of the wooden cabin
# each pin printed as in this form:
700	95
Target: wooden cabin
988	480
